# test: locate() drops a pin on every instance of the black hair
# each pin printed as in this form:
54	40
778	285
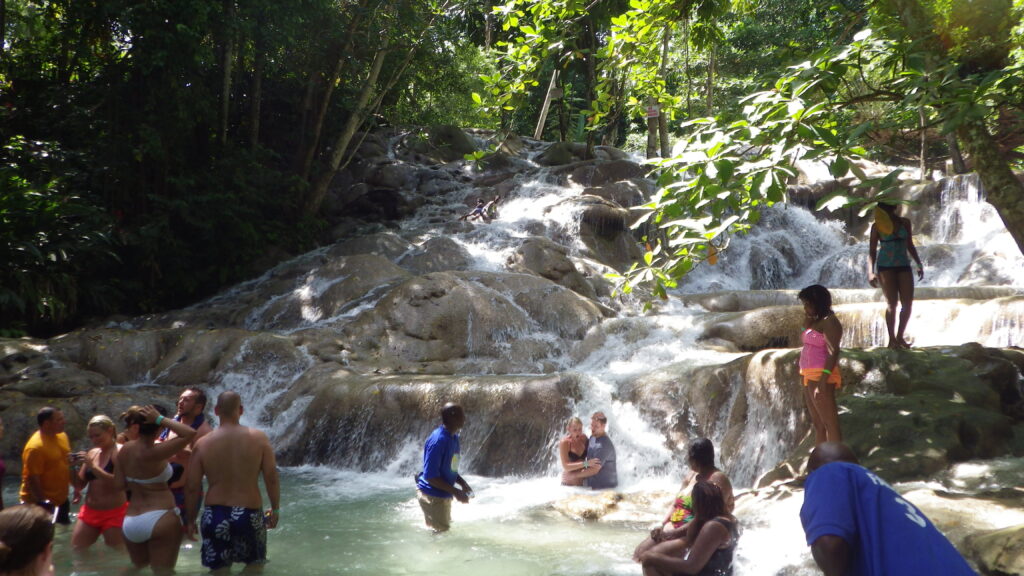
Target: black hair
702	451
45	413
449	411
200	395
708	504
819	297
134	415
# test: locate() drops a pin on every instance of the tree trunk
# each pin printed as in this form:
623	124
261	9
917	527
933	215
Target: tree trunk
923	161
959	166
319	190
256	88
686	67
539	131
229	59
1002	188
666	148
591	61
652	130
310	147
710	89
3	28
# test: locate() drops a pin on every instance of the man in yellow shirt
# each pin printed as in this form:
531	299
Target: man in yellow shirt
45	471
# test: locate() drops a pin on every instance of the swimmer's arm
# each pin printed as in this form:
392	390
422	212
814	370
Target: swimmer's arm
832	554
35	488
271	480
711	536
193	488
911	249
872	251
119	481
440	484
833	331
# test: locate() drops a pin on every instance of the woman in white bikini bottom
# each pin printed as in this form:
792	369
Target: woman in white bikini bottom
152	536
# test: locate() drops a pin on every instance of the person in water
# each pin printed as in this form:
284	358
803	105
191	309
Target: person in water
857	525
670	537
232	458
819	362
105	504
191	410
439	481
711	538
601	448
45	465
572	452
152	524
26	541
491	209
476	213
892	262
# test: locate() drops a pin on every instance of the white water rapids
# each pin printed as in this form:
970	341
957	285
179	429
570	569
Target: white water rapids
368	523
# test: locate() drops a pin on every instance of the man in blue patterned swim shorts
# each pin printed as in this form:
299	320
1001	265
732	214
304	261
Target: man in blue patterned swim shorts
232	458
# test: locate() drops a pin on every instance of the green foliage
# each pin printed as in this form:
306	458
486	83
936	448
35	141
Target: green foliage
50	240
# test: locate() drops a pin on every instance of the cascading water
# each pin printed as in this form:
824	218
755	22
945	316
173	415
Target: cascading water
367	522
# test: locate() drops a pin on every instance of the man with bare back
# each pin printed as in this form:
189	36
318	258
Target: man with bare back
232	458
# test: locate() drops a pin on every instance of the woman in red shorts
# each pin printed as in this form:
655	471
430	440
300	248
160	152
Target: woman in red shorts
105	504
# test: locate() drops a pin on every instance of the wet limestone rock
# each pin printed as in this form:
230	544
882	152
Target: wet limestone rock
589	506
447	316
1000	552
561	153
365	421
601	173
436	255
541	256
441	143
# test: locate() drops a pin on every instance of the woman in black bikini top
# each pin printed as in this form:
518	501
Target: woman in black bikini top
572	452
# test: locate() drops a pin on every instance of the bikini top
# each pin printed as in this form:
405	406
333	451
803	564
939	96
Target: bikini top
109	469
162	477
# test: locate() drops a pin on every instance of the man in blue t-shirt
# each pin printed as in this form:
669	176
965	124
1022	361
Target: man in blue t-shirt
600	447
857	525
436	483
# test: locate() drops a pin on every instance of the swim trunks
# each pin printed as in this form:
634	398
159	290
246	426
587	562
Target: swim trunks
102	520
232	534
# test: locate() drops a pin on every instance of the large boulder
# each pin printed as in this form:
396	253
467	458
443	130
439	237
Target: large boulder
561	153
907	414
538	255
505	321
999	552
604	230
441	143
367	421
436	255
601	173
327	291
626	193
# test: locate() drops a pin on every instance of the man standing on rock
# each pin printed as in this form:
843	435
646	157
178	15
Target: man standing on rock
438	482
857	525
45	468
600	446
232	458
191	411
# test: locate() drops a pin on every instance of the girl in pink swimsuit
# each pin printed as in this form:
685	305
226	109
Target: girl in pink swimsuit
819	362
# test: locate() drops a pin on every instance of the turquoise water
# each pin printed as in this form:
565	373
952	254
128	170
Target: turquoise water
343	522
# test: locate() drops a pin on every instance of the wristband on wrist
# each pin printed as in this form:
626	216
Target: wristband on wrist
159	419
586	464
826	371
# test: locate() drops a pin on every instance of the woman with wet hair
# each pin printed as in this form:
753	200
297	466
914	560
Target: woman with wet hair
572	452
26	541
712	535
152	526
105	503
819	362
670	537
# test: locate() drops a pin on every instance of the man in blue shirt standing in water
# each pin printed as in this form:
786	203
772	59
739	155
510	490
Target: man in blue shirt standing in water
857	525
437	483
600	446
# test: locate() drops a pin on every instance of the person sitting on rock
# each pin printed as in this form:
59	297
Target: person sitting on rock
670	537
491	209
477	213
712	533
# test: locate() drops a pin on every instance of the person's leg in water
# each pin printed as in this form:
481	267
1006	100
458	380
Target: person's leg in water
905	286
889	281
